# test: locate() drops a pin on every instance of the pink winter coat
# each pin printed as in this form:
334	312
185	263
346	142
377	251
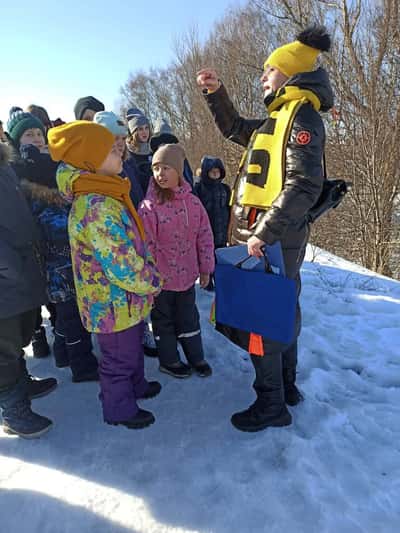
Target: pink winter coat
179	237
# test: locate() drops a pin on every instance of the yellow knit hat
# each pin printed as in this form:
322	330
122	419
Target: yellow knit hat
82	144
300	55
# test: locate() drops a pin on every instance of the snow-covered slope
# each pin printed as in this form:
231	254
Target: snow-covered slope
337	468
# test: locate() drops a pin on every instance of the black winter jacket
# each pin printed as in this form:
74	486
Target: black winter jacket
215	196
22	285
303	176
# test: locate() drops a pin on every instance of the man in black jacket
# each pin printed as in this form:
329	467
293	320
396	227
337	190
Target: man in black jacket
280	178
22	291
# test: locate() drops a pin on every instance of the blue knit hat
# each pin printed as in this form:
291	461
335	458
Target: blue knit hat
19	122
111	121
136	119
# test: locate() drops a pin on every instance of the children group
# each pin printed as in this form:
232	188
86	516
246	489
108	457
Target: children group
124	235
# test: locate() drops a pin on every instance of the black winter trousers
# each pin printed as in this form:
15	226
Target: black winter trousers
175	317
72	343
15	333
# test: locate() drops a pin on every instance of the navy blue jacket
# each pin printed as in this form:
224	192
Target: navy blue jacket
22	285
37	172
130	171
215	196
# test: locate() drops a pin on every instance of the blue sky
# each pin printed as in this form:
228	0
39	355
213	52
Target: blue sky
55	52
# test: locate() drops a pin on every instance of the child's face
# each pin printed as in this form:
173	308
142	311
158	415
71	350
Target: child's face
143	133
166	177
214	173
88	115
33	136
112	164
272	80
120	143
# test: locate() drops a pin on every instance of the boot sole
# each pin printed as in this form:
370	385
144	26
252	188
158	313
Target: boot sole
28	436
136	426
170	373
282	422
44	393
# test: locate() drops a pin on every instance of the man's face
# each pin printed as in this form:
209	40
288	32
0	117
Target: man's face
88	115
272	80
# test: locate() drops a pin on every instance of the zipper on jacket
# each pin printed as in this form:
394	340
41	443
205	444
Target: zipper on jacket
129	302
186	213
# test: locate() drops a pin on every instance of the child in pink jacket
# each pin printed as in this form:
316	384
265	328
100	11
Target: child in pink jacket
180	239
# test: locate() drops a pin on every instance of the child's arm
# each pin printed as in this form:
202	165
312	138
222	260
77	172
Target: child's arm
149	218
205	244
116	252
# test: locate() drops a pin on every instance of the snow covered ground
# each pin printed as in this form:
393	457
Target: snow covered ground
337	468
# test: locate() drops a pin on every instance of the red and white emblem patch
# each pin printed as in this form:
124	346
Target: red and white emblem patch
303	137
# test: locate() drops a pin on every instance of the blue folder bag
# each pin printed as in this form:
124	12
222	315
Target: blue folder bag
254	295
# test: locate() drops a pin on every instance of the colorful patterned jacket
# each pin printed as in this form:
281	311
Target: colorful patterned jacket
115	275
179	236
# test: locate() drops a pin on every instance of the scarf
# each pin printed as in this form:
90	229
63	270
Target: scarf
113	186
263	165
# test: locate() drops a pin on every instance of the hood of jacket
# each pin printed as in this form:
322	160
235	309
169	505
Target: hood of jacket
5	153
207	163
66	175
46	196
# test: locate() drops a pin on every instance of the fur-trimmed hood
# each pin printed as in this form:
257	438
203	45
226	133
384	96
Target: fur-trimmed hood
46	196
5	153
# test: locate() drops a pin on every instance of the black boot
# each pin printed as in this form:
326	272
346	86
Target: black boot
40	345
22	421
141	420
18	417
35	387
153	390
267	411
292	394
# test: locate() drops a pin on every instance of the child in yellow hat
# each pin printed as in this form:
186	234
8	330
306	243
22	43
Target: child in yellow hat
115	276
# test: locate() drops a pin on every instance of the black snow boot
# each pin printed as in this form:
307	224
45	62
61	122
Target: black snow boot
267	411
36	388
40	346
141	420
153	390
292	394
21	420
